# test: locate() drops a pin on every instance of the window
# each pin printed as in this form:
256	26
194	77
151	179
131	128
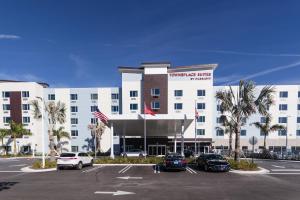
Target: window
74	120
283	94
155	92
263	120
178	93
6	106
94	108
6	120
114	109
218	107
155	105
201	119
74	109
94	96
133	106
133	93
220	132
282	132
200	106
200	93
282	119
298	94
263	133
244	120
298	120
51	97
73	97
26	120
115	96
298	107
200	131
298	133
219	121
74	148
26	107
284	107
178	106
5	94
94	120
74	133
243	132
25	93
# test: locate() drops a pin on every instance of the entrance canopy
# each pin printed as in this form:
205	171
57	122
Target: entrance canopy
160	125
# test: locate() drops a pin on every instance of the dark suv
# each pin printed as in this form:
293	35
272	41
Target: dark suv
213	162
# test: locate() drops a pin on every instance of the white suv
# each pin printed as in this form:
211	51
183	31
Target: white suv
77	160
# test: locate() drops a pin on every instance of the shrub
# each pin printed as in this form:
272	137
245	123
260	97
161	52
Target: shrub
242	165
48	164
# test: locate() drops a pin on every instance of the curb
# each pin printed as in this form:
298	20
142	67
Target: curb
28	169
261	171
124	164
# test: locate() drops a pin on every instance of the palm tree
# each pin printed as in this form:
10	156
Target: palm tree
3	134
97	131
238	106
54	113
59	134
229	128
266	128
17	131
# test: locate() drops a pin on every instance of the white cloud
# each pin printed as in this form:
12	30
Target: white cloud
9	37
252	54
19	77
224	79
81	66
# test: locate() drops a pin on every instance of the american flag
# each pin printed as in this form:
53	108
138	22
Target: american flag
100	116
196	113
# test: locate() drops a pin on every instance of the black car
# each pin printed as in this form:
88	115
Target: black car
174	161
213	162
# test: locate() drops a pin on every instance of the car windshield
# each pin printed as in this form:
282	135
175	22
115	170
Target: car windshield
174	156
214	157
134	150
67	155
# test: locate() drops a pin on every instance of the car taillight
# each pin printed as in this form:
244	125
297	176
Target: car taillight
184	161
168	162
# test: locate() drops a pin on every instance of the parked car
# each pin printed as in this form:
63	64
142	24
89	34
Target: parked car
212	162
77	160
174	161
134	153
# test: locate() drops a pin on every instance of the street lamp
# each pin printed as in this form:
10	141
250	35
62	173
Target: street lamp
286	135
43	137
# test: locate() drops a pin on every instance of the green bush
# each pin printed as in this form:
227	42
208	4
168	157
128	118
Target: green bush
243	165
48	164
126	160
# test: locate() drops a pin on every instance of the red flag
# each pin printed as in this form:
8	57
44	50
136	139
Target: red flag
196	114
148	110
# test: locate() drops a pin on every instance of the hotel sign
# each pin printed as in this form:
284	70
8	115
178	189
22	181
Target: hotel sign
193	76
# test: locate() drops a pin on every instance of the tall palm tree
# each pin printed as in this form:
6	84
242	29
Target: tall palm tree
97	131
229	128
54	113
266	128
239	105
3	134
59	134
17	131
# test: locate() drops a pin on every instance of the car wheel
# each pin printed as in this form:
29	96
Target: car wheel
205	168
79	166
92	162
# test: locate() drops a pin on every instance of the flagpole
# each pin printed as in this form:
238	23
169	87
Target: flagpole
145	131
195	131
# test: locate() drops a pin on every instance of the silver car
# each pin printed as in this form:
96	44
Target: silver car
134	153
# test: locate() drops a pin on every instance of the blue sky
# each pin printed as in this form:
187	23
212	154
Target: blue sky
81	43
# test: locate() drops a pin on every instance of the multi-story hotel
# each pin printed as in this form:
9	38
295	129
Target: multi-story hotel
172	92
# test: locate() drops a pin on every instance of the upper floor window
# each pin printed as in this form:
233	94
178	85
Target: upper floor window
200	131
26	120
298	120
94	96
25	93
6	120
94	108
5	94
74	133
200	93
74	148
200	106
178	93
283	106
114	109
297	132
282	119
155	105
283	94
282	132
73	97
220	132
263	120
178	106
263	133
51	97
218	107
114	96
74	120
133	93
201	119
298	94
133	106
243	132
74	109
26	107
298	106
6	106
155	92
94	120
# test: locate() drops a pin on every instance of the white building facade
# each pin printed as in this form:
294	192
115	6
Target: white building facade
173	93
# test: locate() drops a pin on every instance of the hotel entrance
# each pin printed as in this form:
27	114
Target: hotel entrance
157	150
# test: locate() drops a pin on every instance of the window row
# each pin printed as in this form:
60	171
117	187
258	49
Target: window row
6	94
74	97
25	120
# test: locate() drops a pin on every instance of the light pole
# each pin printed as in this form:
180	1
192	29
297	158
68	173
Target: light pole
43	136
286	135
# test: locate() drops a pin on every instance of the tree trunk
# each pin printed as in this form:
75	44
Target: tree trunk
230	143
265	138
15	145
51	143
237	144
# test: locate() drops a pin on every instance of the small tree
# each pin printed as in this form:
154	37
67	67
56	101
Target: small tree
97	131
59	134
266	128
3	134
17	131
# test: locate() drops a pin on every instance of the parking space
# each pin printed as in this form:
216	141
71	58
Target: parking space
280	167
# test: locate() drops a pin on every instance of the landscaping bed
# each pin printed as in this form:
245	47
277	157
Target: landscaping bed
48	164
244	165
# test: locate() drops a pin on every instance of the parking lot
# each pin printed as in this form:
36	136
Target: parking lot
143	182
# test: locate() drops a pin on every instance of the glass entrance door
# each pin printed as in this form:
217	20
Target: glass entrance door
156	150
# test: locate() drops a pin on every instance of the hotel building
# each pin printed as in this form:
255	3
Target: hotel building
172	92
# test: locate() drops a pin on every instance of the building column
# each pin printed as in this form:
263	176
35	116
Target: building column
112	155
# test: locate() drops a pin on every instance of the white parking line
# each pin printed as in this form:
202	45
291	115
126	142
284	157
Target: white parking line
285	170
191	170
122	171
92	169
283	173
282	167
21	165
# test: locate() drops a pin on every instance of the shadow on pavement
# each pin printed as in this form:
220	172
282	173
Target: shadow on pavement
6	185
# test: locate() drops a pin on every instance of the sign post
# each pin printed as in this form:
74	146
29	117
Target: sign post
253	141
